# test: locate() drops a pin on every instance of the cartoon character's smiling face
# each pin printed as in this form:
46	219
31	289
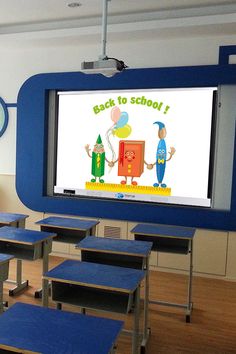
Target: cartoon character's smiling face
129	155
161	153
99	148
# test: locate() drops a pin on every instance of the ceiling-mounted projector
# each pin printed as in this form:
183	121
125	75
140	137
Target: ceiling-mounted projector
104	65
107	67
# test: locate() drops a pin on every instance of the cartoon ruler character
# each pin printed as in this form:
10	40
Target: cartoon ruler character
98	160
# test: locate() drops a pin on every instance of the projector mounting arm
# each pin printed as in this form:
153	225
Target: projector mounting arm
104	30
105	65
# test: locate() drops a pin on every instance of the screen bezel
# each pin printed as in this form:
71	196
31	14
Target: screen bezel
69	191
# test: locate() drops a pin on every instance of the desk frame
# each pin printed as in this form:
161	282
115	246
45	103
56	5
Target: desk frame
4	271
136	260
15	220
59	281
71	231
37	247
68	230
141	235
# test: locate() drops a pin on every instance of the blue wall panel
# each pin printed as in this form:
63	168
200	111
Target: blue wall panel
32	143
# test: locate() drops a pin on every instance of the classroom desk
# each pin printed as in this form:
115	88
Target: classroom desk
170	239
123	253
34	329
68	229
4	270
11	219
99	287
26	245
15	220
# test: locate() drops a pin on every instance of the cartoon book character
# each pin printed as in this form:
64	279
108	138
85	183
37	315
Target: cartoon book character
98	160
130	160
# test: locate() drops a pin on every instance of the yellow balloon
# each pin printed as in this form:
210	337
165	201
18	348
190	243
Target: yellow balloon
123	132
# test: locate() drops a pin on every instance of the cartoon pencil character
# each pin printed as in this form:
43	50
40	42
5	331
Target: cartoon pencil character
130	160
98	160
161	155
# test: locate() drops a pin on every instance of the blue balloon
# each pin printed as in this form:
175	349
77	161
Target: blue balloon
122	120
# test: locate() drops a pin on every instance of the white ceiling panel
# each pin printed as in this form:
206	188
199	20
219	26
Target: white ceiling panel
22	16
28	11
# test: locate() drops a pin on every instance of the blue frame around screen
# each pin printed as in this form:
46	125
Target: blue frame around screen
31	157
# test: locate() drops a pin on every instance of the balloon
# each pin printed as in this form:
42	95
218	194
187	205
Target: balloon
115	114
123	120
123	132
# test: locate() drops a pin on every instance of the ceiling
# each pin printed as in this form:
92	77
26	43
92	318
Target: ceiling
27	16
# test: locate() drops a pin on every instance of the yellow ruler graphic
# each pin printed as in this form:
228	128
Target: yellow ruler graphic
112	187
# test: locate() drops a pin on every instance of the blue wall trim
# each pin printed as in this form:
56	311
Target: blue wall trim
32	147
225	52
6	117
11	105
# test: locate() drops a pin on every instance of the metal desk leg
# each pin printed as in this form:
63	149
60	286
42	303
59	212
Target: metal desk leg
135	336
20	285
146	330
1	297
189	299
188	306
92	231
45	290
45	283
21	223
